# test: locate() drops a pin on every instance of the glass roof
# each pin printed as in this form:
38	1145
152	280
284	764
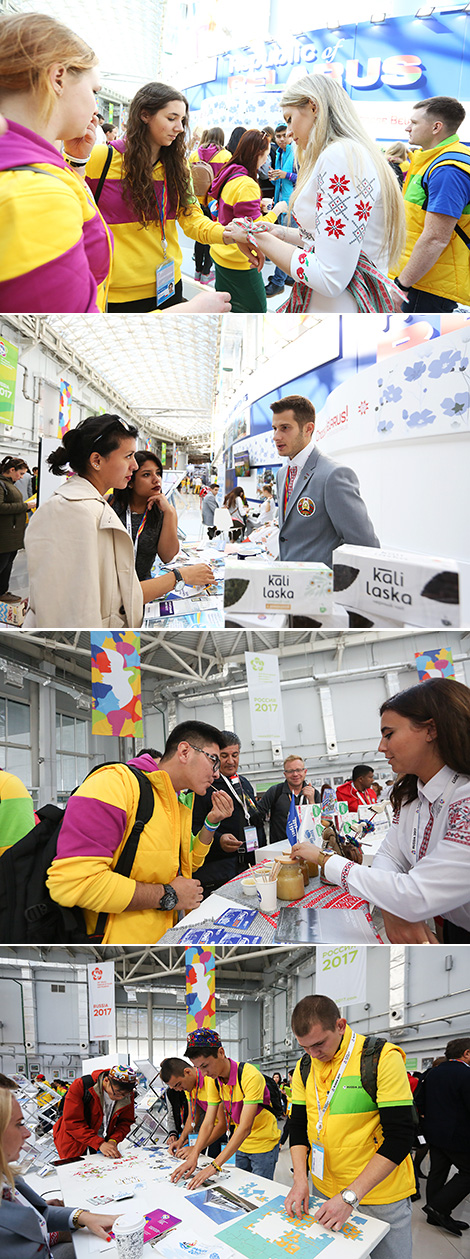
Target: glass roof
166	368
126	38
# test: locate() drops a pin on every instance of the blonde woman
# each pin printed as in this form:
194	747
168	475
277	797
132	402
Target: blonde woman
346	200
28	1225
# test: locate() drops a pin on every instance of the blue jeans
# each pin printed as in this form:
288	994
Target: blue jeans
262	1163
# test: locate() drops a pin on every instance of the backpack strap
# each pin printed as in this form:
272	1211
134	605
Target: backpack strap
87	1081
370	1054
104	172
305	1068
144	812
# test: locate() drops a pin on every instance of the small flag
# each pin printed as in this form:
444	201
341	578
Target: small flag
293	822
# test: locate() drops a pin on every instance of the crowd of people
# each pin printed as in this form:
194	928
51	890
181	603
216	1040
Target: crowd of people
204	821
317	196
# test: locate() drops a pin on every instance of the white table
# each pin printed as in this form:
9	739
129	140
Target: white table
215	905
162	1193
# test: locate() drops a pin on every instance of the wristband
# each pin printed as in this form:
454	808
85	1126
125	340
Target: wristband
405	288
211	826
74	161
215	1166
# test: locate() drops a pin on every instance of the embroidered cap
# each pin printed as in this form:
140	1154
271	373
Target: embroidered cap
203	1039
123	1075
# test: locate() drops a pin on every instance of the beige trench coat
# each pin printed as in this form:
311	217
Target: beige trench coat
81	563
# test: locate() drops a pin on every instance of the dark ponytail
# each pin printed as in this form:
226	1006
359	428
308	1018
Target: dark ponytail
78	443
447	704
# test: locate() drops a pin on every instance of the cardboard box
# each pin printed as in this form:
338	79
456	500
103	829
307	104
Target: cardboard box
407	589
13	613
275	586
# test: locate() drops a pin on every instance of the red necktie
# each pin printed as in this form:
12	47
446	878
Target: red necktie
290	480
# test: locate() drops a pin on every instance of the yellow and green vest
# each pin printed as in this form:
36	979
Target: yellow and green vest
450	275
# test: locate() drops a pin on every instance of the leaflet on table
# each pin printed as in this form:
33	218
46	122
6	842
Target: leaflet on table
184	1244
324	926
270	1228
216	935
194	620
241	919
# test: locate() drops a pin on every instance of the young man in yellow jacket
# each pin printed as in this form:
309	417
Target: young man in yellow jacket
100	816
434	269
359	1146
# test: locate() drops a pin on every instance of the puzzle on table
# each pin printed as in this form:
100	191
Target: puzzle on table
253	1192
269	1230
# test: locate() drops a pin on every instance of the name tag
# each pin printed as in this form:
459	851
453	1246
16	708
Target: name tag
251	838
318	1161
192	1138
165	277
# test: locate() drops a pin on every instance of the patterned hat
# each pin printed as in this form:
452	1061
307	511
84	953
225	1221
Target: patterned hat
123	1075
203	1039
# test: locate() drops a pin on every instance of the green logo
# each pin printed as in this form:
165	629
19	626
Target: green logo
257	664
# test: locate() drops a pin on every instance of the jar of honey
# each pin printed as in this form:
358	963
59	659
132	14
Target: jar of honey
290	881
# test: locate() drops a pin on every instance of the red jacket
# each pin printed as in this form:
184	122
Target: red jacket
72	1135
347	791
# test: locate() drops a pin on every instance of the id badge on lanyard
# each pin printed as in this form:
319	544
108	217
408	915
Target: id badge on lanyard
165	273
318	1161
251	838
192	1138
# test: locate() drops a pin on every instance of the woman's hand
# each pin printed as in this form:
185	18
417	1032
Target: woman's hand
81	146
197	575
100	1225
312	851
208	303
234	234
162	503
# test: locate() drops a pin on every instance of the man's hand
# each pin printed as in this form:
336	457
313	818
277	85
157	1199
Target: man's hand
201	1176
188	891
221	807
187	1168
109	1149
230	843
172	1143
401	932
334	1213
298	1198
100	1225
309	792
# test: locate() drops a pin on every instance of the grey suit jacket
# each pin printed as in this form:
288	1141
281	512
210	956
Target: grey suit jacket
324	510
20	1232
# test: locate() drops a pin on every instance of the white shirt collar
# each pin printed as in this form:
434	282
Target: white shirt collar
299	460
436	785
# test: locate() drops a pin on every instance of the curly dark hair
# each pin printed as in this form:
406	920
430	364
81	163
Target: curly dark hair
137	168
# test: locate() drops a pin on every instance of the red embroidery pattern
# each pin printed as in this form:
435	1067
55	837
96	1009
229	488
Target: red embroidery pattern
458	826
335	227
300	273
302	257
396	817
426	837
339	183
363	210
345	875
319	200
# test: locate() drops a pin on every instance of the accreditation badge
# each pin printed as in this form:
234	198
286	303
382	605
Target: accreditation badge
306	506
318	1161
165	277
251	838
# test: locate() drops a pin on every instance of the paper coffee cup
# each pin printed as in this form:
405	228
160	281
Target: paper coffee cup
129	1233
267	896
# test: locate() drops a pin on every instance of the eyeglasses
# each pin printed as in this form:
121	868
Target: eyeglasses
213	759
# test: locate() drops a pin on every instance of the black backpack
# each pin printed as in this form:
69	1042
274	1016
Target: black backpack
28	915
370	1054
275	1104
87	1081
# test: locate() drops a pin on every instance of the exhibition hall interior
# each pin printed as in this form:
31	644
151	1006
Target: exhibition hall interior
234	630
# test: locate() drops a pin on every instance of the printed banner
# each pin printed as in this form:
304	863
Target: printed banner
8	368
116	684
200	988
341	973
65	408
434	664
163	454
264	691
102	1017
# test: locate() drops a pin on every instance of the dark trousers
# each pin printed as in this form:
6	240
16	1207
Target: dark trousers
453	934
445	1197
426	303
6	565
146	304
202	254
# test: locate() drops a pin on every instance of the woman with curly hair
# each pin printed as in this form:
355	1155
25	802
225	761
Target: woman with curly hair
146	192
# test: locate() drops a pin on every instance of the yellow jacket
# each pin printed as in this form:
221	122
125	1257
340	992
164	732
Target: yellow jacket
450	275
98	819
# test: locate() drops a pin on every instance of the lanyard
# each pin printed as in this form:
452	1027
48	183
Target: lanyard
240	800
362	798
162	212
434	810
193	1107
334	1086
140	529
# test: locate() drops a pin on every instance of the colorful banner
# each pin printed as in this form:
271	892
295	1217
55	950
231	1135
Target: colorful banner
8	369
116	684
65	408
200	988
101	1009
341	973
434	664
163	454
264	693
